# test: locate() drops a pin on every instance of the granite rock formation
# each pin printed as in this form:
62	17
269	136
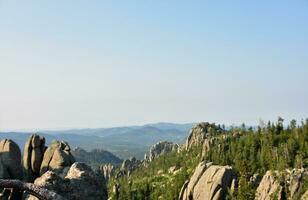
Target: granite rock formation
161	148
209	182
10	167
34	150
57	156
281	184
77	182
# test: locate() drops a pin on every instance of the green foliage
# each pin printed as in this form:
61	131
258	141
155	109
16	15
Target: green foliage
247	150
154	181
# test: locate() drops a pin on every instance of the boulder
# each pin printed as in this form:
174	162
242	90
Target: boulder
208	182
10	166
78	183
281	184
33	155
10	156
57	156
161	148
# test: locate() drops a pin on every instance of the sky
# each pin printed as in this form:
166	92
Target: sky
88	64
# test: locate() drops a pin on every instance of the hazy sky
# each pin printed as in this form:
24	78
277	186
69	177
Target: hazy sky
75	64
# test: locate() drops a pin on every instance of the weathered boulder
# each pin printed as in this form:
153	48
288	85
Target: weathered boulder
78	183
57	156
281	184
208	182
10	160
200	132
161	148
33	156
10	167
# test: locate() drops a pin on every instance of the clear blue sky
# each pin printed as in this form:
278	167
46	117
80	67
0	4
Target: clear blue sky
74	64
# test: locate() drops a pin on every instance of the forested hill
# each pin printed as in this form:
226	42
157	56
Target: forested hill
96	157
124	142
280	149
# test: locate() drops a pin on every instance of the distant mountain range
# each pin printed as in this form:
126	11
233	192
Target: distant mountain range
124	142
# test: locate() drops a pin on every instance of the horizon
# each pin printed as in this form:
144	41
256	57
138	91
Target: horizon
68	65
286	122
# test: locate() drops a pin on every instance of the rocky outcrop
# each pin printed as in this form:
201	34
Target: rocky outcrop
128	166
34	150
161	148
209	182
78	182
200	132
57	156
107	171
10	167
281	185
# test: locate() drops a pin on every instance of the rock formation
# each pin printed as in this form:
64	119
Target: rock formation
128	166
207	143
10	159
209	182
161	148
200	132
78	183
281	185
10	167
57	156
33	156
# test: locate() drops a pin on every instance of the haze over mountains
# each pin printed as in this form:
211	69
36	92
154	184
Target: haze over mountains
124	142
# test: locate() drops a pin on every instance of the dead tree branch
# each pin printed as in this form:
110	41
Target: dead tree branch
32	189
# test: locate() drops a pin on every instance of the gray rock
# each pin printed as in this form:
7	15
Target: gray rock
209	182
57	156
280	184
10	167
79	183
10	157
33	155
161	148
